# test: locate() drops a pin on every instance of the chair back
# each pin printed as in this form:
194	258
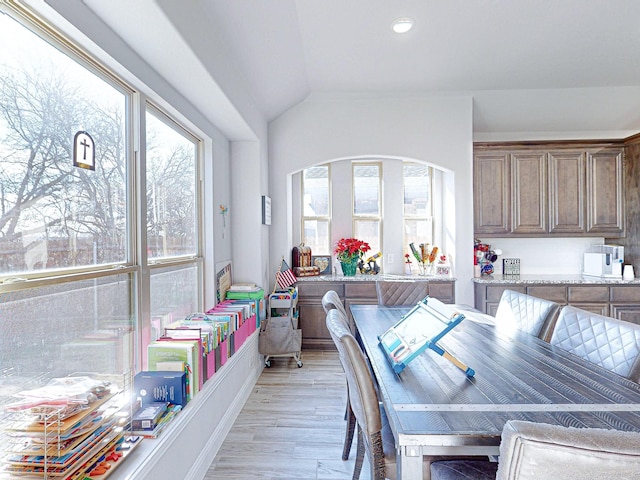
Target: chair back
526	313
330	300
407	292
611	343
362	392
531	450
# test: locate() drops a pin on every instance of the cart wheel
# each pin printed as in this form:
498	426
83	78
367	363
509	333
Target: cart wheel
299	363
267	363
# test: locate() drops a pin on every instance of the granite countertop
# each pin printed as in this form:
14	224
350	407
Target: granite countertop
553	279
380	277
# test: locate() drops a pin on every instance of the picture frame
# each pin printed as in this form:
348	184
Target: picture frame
323	262
266	210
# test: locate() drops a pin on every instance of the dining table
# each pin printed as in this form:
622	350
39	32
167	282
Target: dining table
434	408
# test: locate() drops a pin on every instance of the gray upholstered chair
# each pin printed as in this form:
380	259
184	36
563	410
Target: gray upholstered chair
374	435
331	302
523	312
611	343
407	292
537	451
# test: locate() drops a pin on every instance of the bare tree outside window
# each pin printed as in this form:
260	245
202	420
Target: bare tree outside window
52	214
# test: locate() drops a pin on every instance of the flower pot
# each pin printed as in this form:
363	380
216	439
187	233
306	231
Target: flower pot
349	269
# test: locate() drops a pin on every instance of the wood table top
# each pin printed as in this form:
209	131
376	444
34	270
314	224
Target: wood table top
517	376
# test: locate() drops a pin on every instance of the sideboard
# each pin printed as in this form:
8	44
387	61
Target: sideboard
360	289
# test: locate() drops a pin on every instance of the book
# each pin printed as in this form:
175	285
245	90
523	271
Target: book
161	386
162	353
244	287
147	417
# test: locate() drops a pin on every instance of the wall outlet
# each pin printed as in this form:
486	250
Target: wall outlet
391	258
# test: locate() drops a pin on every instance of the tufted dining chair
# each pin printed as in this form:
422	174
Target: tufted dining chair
611	343
401	292
374	435
533	451
526	313
331	302
375	438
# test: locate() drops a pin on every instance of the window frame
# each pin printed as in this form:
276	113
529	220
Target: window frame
355	218
432	205
324	218
135	263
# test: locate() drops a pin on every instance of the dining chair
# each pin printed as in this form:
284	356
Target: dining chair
374	435
401	292
331	302
611	343
526	313
375	438
530	450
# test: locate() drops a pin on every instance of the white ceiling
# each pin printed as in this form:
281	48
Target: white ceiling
289	49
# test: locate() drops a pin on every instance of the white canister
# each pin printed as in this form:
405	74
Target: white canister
627	272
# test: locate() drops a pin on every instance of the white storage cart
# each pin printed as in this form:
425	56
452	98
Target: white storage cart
279	333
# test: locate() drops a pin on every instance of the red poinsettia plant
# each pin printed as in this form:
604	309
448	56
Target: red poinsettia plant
349	249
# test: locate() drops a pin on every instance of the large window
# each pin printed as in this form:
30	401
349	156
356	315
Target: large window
64	308
418	205
316	209
54	215
367	204
171	189
406	195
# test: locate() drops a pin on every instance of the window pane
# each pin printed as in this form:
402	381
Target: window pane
171	191
366	190
316	236
417	190
316	192
369	231
52	214
83	326
417	231
174	295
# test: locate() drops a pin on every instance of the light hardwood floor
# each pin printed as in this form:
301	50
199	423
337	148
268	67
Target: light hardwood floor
292	426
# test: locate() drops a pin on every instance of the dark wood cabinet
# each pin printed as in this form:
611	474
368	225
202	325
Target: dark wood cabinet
605	209
566	186
312	315
548	190
614	300
529	192
492	193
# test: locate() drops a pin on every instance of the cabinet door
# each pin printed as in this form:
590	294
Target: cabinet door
629	312
566	192
605	208
529	180
492	193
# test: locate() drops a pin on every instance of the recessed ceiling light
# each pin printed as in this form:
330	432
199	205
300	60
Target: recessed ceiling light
402	25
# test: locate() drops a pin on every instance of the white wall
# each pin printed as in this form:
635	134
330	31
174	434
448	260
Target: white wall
323	128
544	256
556	114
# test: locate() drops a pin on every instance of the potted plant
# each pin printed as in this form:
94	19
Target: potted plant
349	251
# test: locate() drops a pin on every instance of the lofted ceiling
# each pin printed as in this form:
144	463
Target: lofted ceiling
285	50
